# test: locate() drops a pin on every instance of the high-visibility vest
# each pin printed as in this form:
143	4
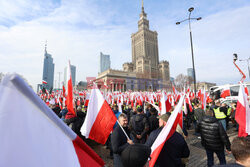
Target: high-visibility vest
229	110
218	114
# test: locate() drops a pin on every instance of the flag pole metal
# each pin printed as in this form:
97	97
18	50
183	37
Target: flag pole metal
123	130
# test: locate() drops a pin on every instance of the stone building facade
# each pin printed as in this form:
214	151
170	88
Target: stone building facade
145	72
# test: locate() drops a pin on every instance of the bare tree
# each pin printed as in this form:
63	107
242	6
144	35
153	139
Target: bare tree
181	81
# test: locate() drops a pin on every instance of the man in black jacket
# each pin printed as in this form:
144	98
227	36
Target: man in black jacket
213	138
174	149
119	140
139	127
153	120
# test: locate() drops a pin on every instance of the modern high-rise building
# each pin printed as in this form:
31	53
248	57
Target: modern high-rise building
190	73
73	75
104	62
48	70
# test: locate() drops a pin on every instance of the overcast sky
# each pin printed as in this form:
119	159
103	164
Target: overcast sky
78	30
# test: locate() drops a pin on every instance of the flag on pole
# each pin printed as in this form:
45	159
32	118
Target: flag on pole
70	103
242	115
164	104
166	132
35	135
100	119
44	82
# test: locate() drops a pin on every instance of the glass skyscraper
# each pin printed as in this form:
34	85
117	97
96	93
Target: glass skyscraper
190	73
73	75
104	62
48	70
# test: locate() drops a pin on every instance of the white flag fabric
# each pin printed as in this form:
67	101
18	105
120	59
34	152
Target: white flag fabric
166	132
100	119
32	134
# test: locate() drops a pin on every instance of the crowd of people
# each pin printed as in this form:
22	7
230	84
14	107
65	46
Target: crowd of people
139	126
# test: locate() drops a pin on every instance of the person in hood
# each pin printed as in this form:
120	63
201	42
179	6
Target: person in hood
139	127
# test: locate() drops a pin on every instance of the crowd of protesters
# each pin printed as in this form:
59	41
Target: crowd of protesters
142	124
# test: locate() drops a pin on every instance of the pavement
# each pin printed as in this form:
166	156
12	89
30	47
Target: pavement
197	156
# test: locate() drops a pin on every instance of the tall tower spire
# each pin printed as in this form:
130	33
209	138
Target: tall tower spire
142	6
46	47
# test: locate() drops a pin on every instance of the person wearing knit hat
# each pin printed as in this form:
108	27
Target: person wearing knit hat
174	149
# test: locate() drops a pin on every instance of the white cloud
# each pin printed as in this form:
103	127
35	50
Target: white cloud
80	30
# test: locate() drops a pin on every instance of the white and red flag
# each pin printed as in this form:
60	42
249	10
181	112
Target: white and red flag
35	135
165	105
242	115
70	103
100	119
44	82
204	99
166	132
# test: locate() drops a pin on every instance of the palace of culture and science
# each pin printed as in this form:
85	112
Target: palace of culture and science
145	72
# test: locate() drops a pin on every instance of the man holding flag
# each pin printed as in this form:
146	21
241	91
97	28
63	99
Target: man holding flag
174	148
119	139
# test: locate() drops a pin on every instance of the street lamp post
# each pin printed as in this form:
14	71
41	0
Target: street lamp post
191	41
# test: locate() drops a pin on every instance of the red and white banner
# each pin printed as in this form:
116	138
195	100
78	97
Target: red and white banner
44	82
165	105
70	103
166	132
100	119
242	115
35	135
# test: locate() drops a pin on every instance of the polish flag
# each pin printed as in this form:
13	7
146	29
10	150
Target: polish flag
242	115
64	91
43	139
225	92
70	104
174	90
204	100
105	86
246	91
100	119
87	100
44	82
166	132
189	103
164	104
81	93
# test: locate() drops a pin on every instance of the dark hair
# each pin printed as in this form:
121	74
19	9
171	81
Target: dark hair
153	110
241	148
139	109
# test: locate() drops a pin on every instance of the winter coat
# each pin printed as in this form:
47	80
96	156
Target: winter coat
174	149
213	135
153	122
139	125
119	140
199	114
